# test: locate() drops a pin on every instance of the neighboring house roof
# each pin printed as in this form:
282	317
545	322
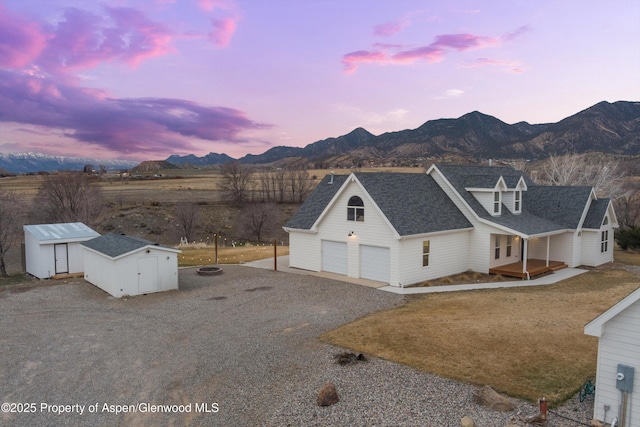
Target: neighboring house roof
72	231
413	203
117	245
596	326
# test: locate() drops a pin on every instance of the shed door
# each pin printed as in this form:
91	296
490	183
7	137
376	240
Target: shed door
334	257
61	253
147	274
374	263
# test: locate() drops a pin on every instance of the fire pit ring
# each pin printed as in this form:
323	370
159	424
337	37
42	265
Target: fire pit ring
209	271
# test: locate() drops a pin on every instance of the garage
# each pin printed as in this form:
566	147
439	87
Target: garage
375	263
334	257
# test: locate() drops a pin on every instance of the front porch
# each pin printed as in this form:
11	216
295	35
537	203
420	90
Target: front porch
535	267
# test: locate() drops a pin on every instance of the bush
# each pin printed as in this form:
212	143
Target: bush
628	238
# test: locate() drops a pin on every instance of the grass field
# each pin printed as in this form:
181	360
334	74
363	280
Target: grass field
525	342
228	255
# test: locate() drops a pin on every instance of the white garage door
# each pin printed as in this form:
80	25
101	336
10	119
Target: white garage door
374	263
334	257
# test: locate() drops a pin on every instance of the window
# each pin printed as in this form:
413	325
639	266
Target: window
497	248
509	238
496	202
425	253
517	204
355	209
604	241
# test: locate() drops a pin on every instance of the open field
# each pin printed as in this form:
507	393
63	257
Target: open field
193	256
526	342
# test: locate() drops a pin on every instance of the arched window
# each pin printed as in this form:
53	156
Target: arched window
355	209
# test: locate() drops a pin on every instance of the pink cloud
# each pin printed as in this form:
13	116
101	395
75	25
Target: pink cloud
21	41
512	66
127	126
223	30
517	33
211	5
432	53
388	29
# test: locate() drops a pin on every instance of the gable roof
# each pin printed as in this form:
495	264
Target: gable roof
596	213
545	209
413	203
117	245
596	326
73	231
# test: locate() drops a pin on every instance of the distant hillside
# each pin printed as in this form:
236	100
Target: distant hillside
208	160
153	166
35	162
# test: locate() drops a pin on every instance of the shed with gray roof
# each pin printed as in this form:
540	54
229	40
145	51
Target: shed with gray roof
54	249
127	265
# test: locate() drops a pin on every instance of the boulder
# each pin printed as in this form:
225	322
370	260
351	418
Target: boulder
328	395
488	397
467	422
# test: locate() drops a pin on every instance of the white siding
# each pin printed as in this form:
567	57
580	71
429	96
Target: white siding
619	344
305	251
560	248
504	259
448	255
485	198
591	253
40	257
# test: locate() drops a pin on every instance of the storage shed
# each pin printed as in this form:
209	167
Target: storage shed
618	370
126	265
52	249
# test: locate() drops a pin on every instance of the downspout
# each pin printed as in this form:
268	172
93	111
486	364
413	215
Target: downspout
525	254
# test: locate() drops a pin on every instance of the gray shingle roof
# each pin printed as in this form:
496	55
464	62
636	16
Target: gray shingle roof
114	245
596	213
544	209
412	202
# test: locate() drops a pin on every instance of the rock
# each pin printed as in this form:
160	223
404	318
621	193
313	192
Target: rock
488	397
467	422
328	395
538	420
347	357
596	423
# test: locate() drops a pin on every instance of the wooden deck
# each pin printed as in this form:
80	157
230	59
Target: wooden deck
535	267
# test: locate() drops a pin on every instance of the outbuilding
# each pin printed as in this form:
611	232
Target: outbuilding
618	371
52	249
125	265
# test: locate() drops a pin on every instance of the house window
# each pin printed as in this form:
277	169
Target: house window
509	239
355	209
425	253
496	202
497	248
517	205
604	241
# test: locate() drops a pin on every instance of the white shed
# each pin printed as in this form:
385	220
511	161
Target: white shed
126	265
52	249
618	371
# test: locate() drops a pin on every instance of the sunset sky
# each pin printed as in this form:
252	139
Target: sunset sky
141	80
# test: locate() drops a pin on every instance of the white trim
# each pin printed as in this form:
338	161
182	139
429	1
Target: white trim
596	326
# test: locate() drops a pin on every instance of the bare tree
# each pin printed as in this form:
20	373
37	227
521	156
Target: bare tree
300	184
603	174
258	221
187	216
69	197
236	180
628	207
10	221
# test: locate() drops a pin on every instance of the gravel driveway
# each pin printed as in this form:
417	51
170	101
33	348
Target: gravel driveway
238	349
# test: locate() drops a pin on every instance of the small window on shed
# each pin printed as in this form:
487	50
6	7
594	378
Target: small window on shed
355	209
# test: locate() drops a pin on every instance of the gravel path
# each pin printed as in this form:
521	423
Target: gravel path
242	345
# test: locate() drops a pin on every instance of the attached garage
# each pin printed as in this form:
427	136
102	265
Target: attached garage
375	263
53	249
125	265
334	257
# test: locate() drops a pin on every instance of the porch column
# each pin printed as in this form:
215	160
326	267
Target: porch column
525	244
548	239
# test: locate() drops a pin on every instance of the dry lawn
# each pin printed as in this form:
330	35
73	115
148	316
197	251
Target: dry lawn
227	255
525	342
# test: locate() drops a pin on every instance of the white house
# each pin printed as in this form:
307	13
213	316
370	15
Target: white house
125	265
618	370
52	249
404	228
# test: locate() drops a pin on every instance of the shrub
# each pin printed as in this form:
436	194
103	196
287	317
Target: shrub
628	238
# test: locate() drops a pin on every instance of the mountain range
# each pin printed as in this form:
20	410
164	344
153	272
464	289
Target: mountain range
605	127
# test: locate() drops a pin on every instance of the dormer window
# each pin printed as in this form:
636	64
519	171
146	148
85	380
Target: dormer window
496	202
517	202
355	209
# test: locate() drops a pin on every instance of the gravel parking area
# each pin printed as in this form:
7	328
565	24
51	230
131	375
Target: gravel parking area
236	349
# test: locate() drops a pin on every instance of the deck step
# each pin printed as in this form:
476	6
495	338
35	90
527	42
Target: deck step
559	267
